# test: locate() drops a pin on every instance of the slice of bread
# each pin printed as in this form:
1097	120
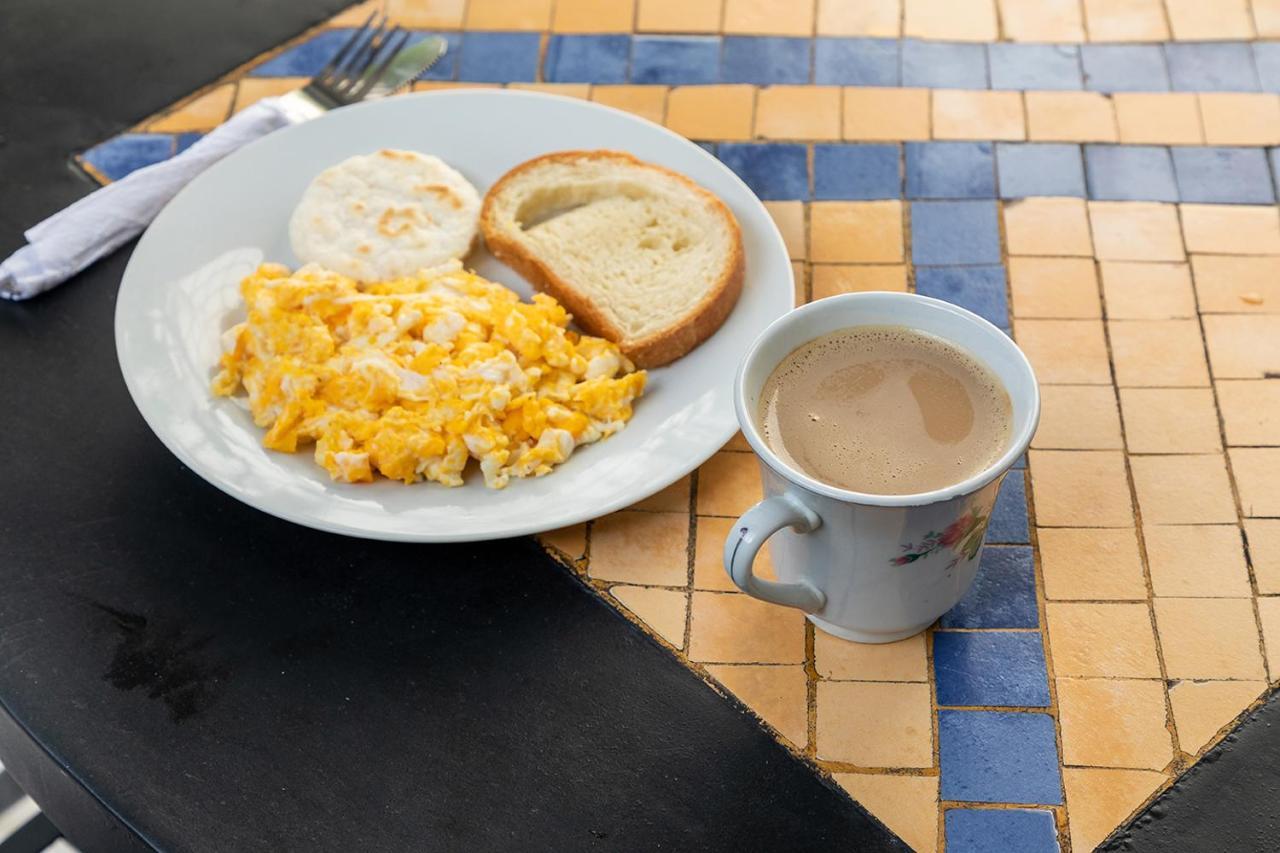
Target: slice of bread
639	254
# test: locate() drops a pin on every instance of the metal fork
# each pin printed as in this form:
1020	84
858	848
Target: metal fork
359	64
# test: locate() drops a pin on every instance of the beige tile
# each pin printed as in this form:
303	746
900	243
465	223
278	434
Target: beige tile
641	547
446	14
581	91
1243	346
1201	709
569	541
203	112
908	805
951	20
1264	553
728	484
1213	638
1042	20
448	85
1240	118
593	16
1113	723
1147	291
1195	20
875	725
1250	411
1158	118
1078	417
1257	471
250	90
1102	640
881	114
1047	226
645	101
711	112
1227	284
354	16
736	628
1070	117
778	694
840	659
1091	564
1101	800
508	14
663	610
1183	489
674	498
1170	420
1266	16
678	16
1157	353
1135	231
798	112
1231	229
1197	561
1269	619
832	280
1054	288
962	114
1125	20
768	17
856	232
1080	488
882	18
708	556
1065	351
789	217
800	281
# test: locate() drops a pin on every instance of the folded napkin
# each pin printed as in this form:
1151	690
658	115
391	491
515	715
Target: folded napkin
70	240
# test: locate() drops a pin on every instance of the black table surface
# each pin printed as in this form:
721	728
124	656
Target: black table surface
178	671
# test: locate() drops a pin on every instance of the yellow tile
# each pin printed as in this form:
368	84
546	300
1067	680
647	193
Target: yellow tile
1195	20
1197	561
250	90
843	660
800	280
873	114
1243	347
1066	351
1240	118
708	556
1228	229
645	101
1257	471
445	85
1155	353
1209	638
1158	118
856	232
1266	16
736	628
641	547
1269	619
509	14
445	14
1047	226
1091	564
1227	284
569	541
1190	489
952	20
679	16
738	442
1135	231
1054	288
1102	640
778	694
789	217
798	112
1042	20
674	498
1113	723
1080	488
593	16
1070	117
1201	709
1264	553
1078	417
1101	800
663	610
1147	291
581	91
961	114
881	18
1250	411
768	17
728	484
711	112
354	16
204	112
908	805
1170	420
1125	20
831	280
875	725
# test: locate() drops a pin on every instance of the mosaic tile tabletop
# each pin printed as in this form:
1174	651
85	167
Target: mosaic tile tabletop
1099	179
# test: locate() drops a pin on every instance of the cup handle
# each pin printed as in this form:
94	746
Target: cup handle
757	525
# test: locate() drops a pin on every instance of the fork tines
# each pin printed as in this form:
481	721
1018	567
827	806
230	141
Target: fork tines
359	64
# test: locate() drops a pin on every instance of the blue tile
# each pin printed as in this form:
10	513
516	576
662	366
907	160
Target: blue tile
1009	518
709	147
856	172
500	57
1020	462
1034	66
856	62
980	289
1130	173
587	59
954	232
306	59
1003	594
1124	68
990	668
128	152
1227	175
950	170
985	830
764	60
1211	67
183	141
998	757
1267	56
447	66
774	171
1274	155
944	65
1028	169
675	60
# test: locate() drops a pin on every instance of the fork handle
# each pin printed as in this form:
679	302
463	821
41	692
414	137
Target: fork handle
75	237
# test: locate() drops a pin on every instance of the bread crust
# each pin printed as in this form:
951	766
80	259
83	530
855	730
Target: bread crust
658	348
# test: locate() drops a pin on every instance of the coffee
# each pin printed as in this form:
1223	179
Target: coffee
885	410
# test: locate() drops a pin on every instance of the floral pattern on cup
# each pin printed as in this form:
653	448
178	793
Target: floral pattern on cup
963	538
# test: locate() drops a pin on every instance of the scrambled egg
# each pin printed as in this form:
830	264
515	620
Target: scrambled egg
413	377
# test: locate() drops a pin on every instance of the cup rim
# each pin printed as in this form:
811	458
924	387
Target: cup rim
1018	446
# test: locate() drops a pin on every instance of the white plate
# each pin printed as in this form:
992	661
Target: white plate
180	292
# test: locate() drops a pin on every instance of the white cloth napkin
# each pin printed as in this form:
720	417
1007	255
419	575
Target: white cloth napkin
70	240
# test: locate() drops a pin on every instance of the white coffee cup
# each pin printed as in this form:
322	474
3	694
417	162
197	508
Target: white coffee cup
871	568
